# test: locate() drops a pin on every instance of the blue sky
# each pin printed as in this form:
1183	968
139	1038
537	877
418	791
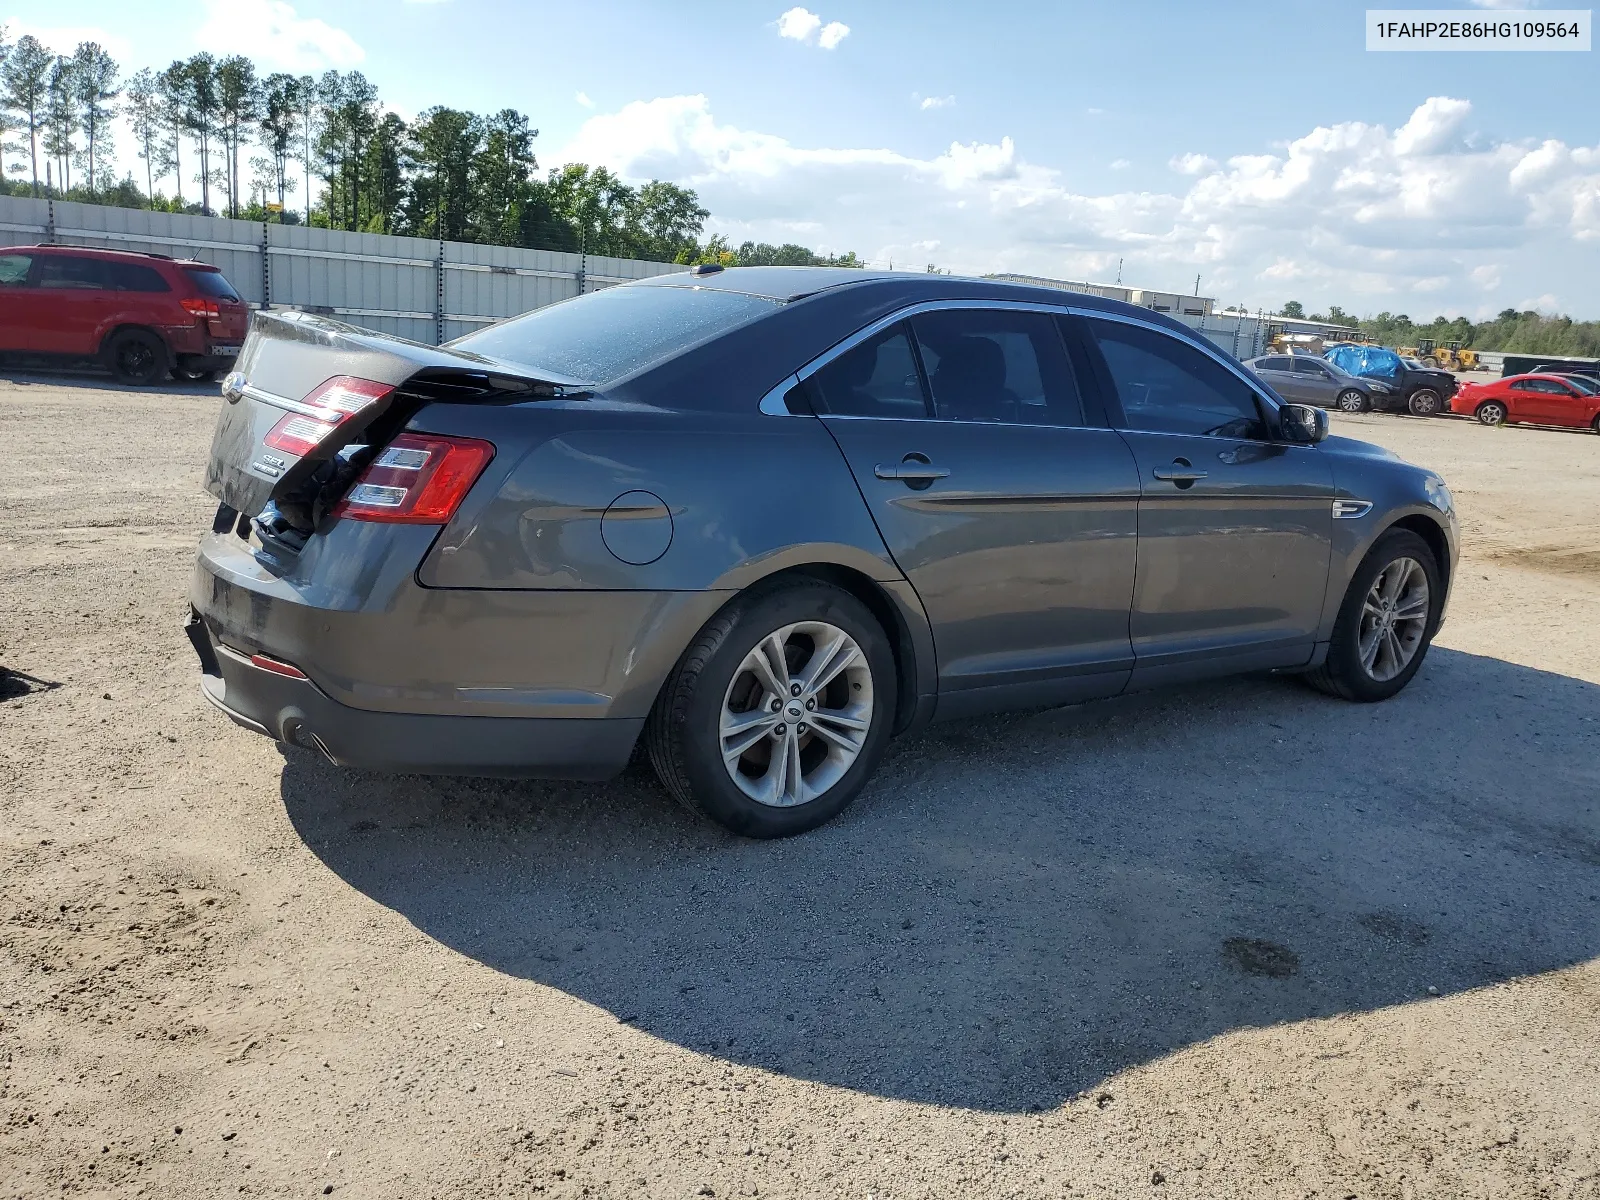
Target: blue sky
1257	145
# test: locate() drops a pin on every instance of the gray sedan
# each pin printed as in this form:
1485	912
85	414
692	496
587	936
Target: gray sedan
758	521
1307	379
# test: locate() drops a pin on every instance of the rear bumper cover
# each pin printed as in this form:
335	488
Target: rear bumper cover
298	712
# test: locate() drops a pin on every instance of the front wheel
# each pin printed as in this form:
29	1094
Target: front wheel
1351	401
137	356
1424	402
1491	412
778	713
1386	623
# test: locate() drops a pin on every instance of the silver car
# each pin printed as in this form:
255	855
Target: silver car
1306	379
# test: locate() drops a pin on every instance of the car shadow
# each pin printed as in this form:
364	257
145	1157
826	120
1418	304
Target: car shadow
93	378
1020	907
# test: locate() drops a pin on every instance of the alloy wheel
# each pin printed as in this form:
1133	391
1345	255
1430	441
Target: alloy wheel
1394	619
1491	413
1351	401
796	714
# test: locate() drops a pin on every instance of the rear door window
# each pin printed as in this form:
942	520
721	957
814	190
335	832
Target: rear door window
1308	366
997	365
136	277
14	269
877	378
75	272
211	283
1168	386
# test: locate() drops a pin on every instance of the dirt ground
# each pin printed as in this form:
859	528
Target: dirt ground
1239	940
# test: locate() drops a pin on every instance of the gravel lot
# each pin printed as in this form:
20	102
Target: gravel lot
1227	941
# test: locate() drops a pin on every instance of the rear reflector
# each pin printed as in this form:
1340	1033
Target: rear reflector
418	479
277	666
333	401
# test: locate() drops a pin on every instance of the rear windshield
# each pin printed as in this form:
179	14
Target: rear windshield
212	283
605	335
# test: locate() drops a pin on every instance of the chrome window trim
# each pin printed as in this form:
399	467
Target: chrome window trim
772	403
851	341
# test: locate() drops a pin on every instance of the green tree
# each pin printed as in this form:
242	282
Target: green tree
664	220
142	107
444	143
1293	309
196	82
61	119
502	173
238	109
280	128
172	86
25	89
94	78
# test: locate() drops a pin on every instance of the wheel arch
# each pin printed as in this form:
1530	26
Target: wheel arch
893	604
1431	532
122	327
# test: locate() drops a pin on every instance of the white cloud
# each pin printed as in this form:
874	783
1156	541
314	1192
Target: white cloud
799	24
803	25
1362	215
272	33
935	102
63	39
583	99
1121	164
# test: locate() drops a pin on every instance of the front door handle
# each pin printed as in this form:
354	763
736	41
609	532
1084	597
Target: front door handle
1181	473
912	470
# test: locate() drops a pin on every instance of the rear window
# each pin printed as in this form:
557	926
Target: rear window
211	283
132	277
605	335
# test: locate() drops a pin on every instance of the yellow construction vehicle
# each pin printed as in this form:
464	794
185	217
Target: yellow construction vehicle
1450	356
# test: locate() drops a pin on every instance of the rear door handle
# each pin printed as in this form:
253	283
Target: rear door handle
911	472
1178	474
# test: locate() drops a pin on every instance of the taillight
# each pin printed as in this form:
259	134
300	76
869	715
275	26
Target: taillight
417	479
199	306
333	402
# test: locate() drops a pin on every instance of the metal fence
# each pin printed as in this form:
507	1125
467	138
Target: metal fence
429	291
1240	335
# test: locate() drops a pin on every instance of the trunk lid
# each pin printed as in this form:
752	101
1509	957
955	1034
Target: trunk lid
306	387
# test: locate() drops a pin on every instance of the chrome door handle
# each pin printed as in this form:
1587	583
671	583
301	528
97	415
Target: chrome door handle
911	472
1178	474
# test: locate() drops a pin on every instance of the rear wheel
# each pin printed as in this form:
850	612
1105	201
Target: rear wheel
1351	401
1386	622
1424	402
778	713
136	356
1595	424
1491	412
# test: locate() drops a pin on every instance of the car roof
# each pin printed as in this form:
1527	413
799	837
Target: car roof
104	252
789	284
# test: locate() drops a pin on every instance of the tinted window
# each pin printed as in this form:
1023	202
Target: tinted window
1307	366
600	337
992	365
1272	364
134	277
14	269
878	378
69	271
1586	386
1167	386
211	283
1523	385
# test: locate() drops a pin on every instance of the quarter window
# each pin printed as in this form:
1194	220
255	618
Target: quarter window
14	269
133	277
998	366
1168	387
878	378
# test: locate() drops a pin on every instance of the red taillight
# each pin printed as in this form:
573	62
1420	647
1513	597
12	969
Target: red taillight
333	401
199	306
417	479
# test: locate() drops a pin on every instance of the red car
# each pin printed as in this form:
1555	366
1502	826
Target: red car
1534	399
142	315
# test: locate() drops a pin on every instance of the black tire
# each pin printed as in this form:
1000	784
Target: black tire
682	733
192	376
1595	424
1491	412
1425	402
1341	673
1352	401
137	356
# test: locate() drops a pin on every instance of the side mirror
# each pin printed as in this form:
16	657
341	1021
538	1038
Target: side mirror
1303	423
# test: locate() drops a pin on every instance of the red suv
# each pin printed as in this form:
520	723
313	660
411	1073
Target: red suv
143	315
